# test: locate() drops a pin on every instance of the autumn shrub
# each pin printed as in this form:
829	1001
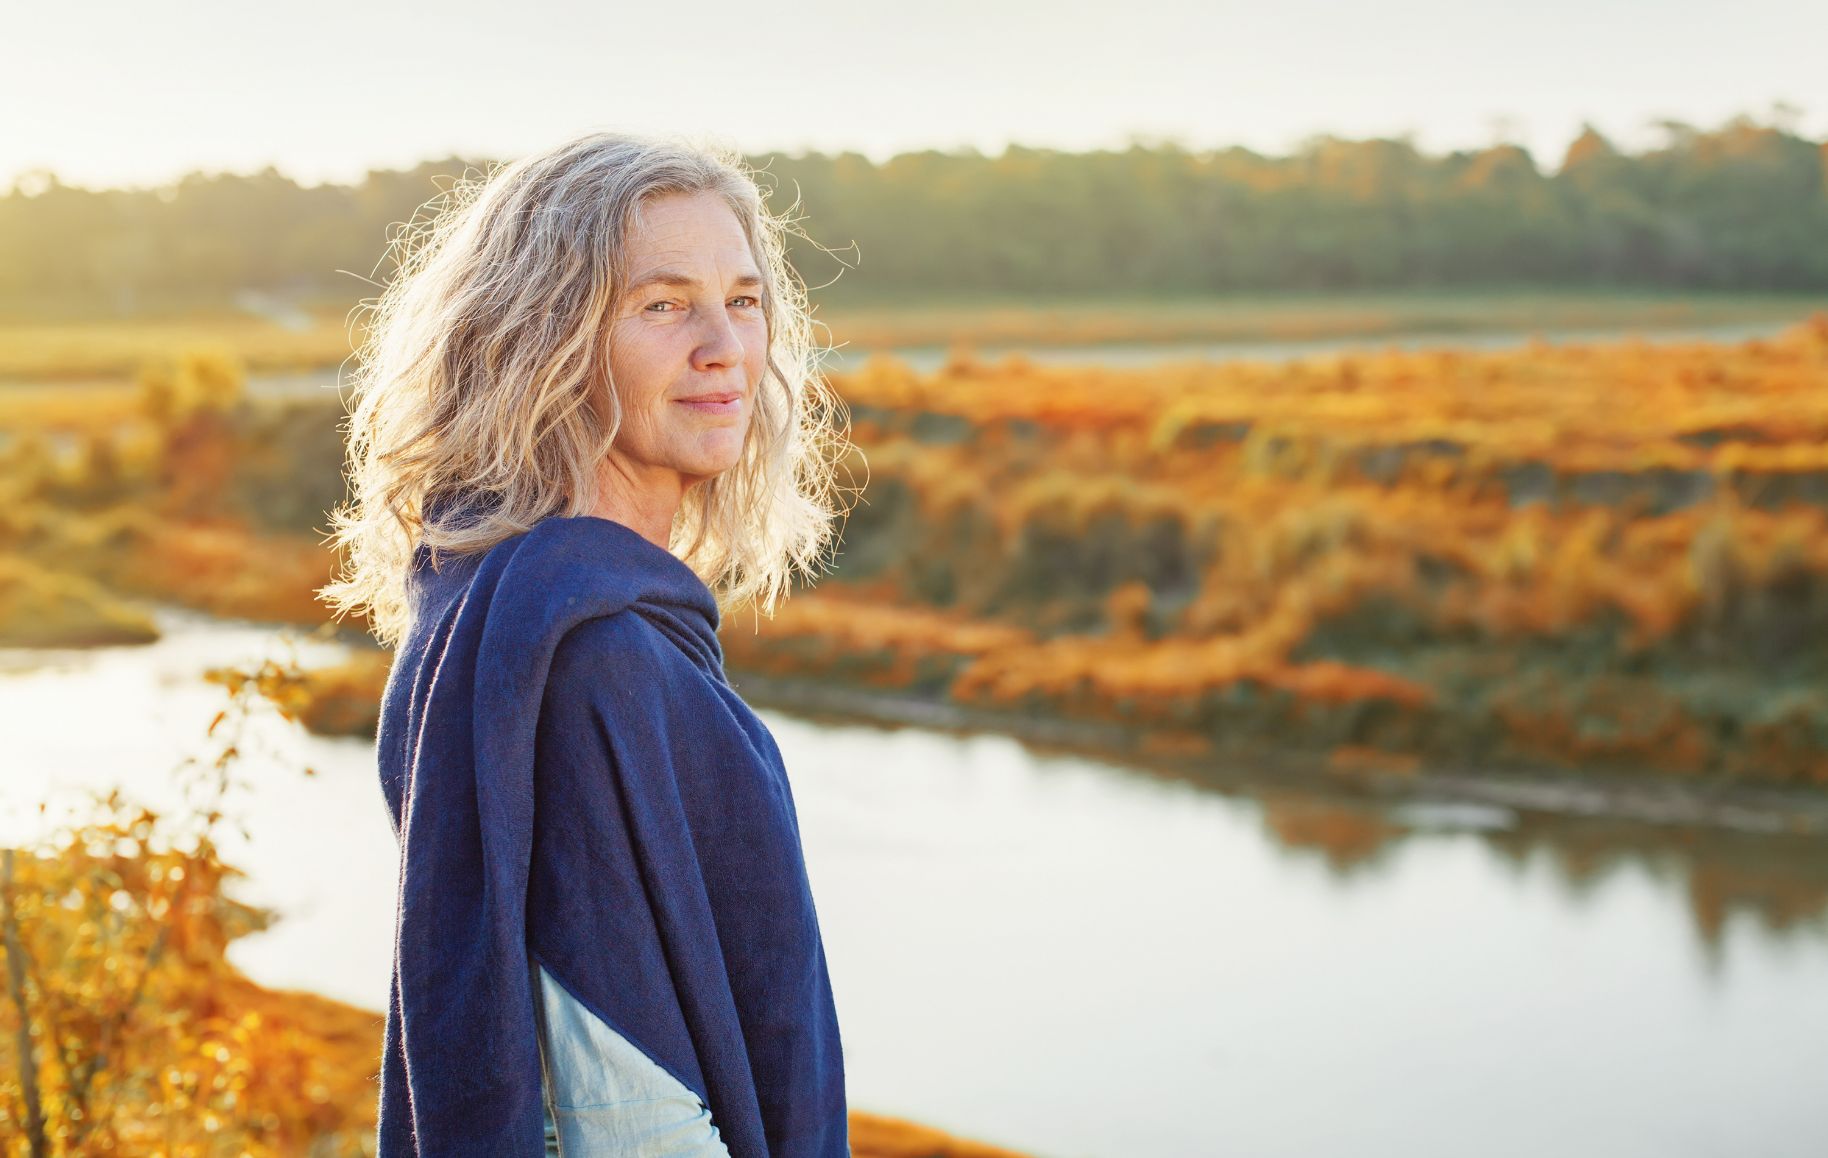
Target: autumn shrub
44	608
123	1028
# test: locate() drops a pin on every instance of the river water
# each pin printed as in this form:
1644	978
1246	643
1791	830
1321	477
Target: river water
1076	959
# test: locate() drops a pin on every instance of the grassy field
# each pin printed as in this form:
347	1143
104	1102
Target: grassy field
1291	318
1577	556
104	348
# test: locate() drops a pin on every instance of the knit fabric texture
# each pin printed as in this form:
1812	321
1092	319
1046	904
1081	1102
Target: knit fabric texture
570	775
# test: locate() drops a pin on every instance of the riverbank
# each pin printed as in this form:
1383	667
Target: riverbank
343	699
1737	807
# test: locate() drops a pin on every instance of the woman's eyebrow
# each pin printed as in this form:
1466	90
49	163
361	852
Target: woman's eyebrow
680	278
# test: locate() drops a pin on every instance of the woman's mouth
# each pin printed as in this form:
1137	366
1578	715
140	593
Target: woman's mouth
730	403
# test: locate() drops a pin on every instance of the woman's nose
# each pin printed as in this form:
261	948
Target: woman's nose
718	343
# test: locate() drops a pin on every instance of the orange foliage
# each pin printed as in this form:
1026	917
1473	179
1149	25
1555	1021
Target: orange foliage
879	643
1181	536
217	565
128	1031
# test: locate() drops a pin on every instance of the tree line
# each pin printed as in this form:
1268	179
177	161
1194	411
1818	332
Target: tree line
1742	207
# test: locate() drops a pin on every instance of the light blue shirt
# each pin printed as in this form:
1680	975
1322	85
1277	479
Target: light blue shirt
605	1098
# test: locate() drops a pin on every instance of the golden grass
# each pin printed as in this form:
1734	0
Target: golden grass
85	408
222	567
44	608
70	351
1269	319
114	348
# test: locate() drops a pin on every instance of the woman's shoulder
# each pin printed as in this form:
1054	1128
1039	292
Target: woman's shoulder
621	657
623	640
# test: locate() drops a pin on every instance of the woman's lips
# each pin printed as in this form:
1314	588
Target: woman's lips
711	406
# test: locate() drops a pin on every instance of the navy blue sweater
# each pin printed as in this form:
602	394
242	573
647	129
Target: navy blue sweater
571	777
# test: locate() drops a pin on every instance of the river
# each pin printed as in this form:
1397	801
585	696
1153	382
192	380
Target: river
1076	959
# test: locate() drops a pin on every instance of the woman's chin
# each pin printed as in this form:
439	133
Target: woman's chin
707	467
720	450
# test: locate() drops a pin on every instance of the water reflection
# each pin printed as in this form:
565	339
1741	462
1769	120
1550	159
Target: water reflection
1778	882
1133	963
1440	978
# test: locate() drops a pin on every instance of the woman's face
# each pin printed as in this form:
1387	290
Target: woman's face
687	348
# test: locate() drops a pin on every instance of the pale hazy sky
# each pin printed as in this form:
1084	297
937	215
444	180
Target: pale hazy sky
110	92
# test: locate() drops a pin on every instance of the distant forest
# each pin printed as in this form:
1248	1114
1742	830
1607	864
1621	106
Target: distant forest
1740	208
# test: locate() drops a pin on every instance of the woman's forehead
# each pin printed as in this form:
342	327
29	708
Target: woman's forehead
706	232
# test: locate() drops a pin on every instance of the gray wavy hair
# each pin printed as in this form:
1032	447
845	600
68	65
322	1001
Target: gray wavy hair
484	374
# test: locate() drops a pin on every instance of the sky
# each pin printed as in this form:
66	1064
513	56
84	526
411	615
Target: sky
108	93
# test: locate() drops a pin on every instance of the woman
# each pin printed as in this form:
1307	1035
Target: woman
587	402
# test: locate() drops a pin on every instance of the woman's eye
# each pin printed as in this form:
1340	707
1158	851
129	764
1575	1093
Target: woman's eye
750	299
